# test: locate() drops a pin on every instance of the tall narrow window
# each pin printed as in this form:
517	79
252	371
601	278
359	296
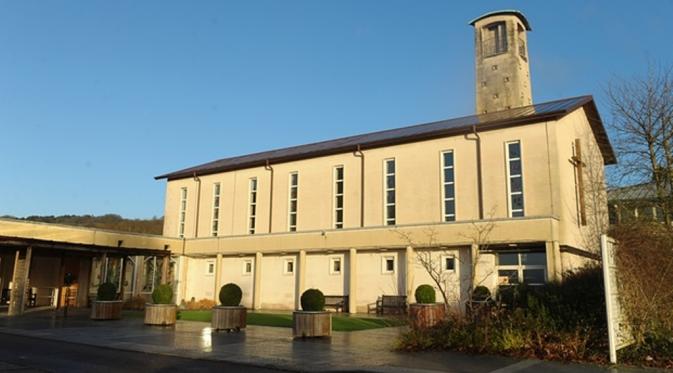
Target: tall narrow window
183	212
339	197
494	39
515	179
389	197
294	189
216	209
448	189
252	212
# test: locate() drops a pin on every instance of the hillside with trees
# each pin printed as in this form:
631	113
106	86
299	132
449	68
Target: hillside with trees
109	221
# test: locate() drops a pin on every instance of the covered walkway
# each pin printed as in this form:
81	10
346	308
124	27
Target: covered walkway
48	265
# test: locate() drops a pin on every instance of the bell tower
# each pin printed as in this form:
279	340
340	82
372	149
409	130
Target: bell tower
501	61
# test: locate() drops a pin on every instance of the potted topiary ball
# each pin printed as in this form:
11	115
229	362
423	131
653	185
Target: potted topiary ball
162	310
229	315
106	306
312	320
425	313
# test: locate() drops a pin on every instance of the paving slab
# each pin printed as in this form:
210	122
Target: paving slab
367	350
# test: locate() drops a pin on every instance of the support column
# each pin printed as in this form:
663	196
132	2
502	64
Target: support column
20	284
165	263
352	280
474	278
182	282
409	273
257	284
139	275
218	280
301	278
103	268
554	262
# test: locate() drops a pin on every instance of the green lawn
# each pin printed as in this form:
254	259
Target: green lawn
339	323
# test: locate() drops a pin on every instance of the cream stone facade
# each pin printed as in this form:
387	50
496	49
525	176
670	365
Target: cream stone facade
512	194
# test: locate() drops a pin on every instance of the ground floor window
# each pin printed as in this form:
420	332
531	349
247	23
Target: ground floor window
522	268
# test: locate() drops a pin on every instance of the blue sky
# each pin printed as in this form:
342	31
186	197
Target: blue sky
97	97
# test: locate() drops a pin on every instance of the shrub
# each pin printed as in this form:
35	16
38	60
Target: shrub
425	294
196	305
481	293
162	294
230	295
312	300
107	291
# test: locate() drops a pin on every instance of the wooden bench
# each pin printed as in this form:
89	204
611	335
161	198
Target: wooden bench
391	304
338	302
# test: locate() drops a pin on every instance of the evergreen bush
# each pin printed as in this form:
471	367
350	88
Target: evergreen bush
107	291
312	300
425	294
230	295
162	294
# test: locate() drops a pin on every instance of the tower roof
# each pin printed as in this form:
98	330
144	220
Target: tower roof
510	12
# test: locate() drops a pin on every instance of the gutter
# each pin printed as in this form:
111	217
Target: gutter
480	193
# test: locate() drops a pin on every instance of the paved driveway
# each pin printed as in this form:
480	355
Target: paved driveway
369	350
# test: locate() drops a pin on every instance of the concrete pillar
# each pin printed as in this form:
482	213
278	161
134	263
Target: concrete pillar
182	282
257	284
409	260
301	278
218	277
20	283
475	278
352	280
554	262
165	265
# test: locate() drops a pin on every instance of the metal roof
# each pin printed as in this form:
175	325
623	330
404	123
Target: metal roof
552	110
645	191
511	12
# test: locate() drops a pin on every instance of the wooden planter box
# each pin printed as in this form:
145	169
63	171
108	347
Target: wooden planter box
229	318
422	316
106	310
311	324
160	314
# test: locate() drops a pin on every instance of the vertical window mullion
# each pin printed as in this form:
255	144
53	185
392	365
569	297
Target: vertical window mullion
216	209
182	213
448	187
389	198
338	197
293	198
252	209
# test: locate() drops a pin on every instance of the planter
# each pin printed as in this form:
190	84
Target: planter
160	314
106	310
311	324
422	316
229	318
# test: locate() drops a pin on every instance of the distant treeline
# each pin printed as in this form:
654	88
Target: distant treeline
109	221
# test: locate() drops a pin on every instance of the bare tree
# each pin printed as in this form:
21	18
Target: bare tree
642	126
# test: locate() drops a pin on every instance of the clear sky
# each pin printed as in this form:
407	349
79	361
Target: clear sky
97	97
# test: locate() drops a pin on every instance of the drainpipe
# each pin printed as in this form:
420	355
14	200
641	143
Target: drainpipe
358	153
480	195
198	203
270	169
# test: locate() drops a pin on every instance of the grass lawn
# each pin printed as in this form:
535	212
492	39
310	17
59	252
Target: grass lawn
339	323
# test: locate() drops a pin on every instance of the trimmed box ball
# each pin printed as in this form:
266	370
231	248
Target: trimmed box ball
162	294
425	294
312	300
107	291
230	295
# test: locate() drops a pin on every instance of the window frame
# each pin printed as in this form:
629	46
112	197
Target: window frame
510	177
490	45
245	267
182	212
287	261
209	263
443	258
215	216
384	264
336	224
252	204
332	260
292	227
443	169
520	267
387	221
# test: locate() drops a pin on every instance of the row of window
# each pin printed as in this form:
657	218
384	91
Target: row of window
514	190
